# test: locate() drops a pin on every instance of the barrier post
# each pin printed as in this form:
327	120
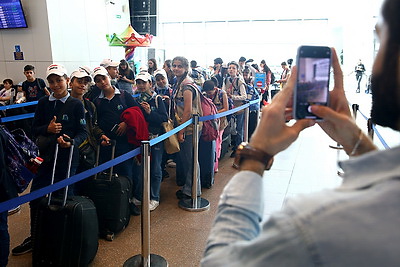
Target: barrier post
195	203
246	123
145	259
370	128
355	108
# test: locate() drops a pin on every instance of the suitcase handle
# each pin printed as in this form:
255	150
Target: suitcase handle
113	144
71	152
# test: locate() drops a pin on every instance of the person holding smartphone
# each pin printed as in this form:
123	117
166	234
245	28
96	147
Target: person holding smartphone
353	225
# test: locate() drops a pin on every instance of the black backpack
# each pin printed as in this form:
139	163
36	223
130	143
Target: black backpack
272	78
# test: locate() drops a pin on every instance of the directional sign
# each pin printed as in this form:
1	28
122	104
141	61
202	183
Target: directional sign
259	79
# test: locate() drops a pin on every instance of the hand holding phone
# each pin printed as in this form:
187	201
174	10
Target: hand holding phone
312	86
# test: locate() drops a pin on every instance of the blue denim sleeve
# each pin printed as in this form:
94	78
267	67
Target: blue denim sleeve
239	212
236	237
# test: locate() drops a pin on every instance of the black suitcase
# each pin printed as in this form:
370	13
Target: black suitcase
65	232
206	162
110	193
226	142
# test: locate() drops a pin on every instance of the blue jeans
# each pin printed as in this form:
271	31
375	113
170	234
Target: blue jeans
157	152
185	164
4	239
239	129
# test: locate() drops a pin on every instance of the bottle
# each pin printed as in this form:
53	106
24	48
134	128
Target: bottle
34	164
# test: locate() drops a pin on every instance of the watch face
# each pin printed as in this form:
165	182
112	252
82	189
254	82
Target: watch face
238	158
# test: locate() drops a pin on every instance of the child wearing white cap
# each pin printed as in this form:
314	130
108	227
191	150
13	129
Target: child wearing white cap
79	82
57	116
155	114
110	104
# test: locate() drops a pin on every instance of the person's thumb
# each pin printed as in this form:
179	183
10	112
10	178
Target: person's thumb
300	125
324	112
54	119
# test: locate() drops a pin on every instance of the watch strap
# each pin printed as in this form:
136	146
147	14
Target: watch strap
245	151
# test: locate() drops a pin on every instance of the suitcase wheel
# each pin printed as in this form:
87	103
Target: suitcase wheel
110	236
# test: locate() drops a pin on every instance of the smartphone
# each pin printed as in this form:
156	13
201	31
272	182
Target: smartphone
312	86
144	97
115	128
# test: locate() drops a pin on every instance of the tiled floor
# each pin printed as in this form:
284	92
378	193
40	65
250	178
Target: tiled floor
180	236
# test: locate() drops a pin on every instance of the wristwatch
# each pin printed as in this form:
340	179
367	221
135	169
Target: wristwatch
245	151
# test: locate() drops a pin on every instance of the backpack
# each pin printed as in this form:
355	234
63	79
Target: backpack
272	78
230	103
19	150
210	129
197	78
252	94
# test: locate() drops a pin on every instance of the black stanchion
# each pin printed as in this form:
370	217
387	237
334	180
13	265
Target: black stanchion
355	108
195	203
145	258
370	128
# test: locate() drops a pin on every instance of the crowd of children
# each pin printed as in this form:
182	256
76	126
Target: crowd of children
110	102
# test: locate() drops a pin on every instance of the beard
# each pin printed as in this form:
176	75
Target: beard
385	101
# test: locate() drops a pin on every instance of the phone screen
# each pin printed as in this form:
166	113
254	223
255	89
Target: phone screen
312	87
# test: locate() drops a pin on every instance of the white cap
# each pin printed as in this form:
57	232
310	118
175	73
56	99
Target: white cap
99	71
85	68
144	76
56	69
161	72
80	73
109	63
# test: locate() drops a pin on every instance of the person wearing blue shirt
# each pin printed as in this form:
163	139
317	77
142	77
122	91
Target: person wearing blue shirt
356	224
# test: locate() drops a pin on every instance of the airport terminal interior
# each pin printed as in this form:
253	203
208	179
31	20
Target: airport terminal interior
74	34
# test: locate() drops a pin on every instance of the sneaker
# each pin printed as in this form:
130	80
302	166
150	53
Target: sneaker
153	204
171	163
137	202
14	210
24	248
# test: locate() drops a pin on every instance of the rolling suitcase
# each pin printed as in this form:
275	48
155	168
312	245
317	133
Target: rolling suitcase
110	193
226	142
206	162
65	232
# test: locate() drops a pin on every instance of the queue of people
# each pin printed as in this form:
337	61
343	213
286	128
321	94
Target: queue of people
93	107
108	101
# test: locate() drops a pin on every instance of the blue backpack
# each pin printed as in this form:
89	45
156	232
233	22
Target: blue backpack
252	94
